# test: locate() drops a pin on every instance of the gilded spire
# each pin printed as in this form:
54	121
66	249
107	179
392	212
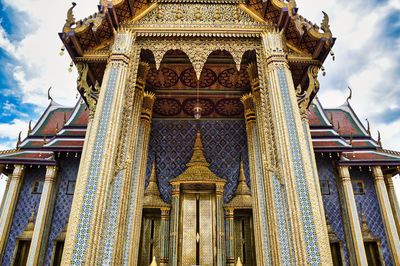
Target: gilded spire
28	232
242	188
197	168
198	158
152	196
366	232
242	194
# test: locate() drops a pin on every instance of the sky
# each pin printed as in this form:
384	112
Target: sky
367	58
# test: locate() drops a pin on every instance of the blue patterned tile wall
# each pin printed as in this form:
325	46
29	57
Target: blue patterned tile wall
331	202
63	203
224	142
26	203
370	206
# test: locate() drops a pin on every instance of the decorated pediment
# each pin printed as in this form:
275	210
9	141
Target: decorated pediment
197	15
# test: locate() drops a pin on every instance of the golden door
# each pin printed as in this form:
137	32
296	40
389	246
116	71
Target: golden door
197	233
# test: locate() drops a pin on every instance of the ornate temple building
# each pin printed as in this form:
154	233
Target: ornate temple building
198	139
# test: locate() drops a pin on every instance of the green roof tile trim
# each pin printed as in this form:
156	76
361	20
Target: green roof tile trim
48	118
82	108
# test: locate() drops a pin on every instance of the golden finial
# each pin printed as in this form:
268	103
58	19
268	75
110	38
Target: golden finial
70	16
57	128
48	94
154	262
379	139
325	23
65	118
369	129
44	140
338	128
331	120
19	139
239	262
351	93
351	138
29	127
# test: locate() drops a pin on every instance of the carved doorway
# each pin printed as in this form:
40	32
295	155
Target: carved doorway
198	228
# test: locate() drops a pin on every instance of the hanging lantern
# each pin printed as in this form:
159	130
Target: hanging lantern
197	110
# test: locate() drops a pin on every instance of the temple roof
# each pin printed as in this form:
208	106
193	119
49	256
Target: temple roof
334	131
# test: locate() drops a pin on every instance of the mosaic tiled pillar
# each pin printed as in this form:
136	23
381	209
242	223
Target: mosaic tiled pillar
43	218
164	236
10	204
5	190
174	226
96	173
387	214
307	134
261	221
230	245
291	167
394	202
127	168
354	239
137	183
219	193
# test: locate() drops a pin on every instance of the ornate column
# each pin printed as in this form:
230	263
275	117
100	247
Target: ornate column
394	203
87	211
174	227
5	189
261	221
10	204
219	192
164	236
354	238
290	165
230	245
387	214
43	218
136	174
306	129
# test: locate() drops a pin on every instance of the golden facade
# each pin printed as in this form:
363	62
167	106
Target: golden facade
201	145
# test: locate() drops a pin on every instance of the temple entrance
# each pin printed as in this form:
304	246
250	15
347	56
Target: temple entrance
197	235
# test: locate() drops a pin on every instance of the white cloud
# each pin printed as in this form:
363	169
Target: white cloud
367	59
12	129
37	64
